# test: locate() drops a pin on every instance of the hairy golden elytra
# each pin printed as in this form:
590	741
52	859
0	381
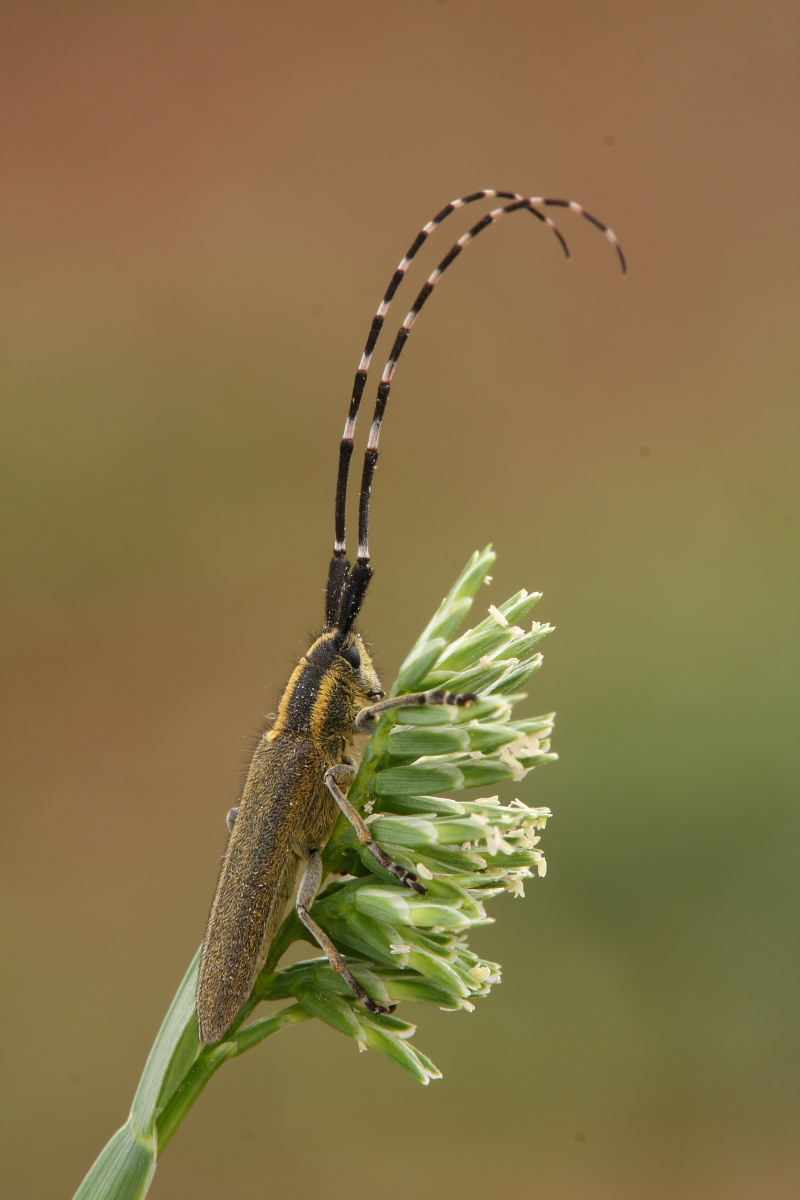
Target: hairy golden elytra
298	777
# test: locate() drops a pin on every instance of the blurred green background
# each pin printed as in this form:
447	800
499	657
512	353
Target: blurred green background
202	206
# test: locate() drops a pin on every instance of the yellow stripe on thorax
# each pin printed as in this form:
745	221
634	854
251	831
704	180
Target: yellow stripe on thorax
316	721
286	698
319	719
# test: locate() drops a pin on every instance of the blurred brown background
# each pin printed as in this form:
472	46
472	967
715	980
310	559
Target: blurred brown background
202	206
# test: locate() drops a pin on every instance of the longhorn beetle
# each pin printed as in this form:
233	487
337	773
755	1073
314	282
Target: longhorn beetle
298	778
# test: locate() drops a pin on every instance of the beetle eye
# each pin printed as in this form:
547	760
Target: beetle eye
353	657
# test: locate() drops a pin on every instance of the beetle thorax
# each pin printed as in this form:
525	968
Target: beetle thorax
334	680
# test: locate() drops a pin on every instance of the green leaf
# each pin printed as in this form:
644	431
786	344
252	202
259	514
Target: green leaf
487	737
433	967
414	743
521	647
424	804
123	1170
418	663
519	605
440	915
174	1050
403	831
448	859
484	772
456	832
458	601
384	903
330	1008
421	991
413	780
361	934
473	646
401	1053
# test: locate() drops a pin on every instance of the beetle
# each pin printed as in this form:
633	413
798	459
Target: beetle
302	767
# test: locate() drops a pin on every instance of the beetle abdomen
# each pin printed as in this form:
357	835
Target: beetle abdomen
239	933
284	809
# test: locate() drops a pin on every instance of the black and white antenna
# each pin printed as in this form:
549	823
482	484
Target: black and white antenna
347	587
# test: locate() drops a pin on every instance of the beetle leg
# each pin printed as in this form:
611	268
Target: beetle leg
365	718
343	773
309	885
